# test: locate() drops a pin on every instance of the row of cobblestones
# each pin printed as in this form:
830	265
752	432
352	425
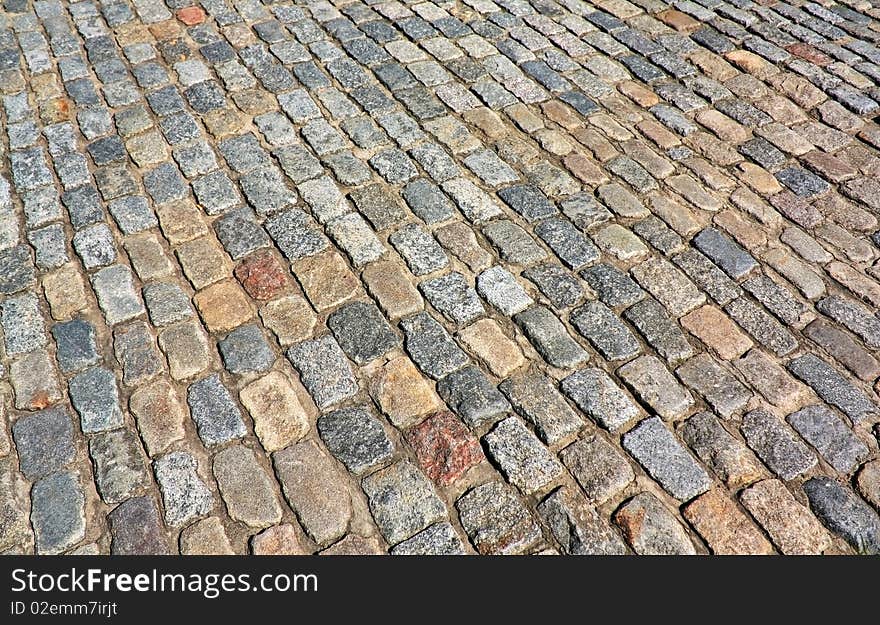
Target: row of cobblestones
439	277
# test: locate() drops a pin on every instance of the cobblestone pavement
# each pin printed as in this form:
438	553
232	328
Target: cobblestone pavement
439	277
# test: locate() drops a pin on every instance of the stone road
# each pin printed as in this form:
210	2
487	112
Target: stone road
439	277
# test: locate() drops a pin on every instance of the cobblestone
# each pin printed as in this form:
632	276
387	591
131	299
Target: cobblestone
472	396
325	371
716	384
44	441
356	438
184	494
119	467
496	520
523	460
845	514
825	431
431	347
402	501
776	445
136	528
550	337
656	449
832	386
651	529
57	513
431	206
217	417
578	527
315	491
656	386
597	395
246	488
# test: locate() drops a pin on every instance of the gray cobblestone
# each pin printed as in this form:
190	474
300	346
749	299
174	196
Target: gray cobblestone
431	347
666	459
828	433
216	415
550	338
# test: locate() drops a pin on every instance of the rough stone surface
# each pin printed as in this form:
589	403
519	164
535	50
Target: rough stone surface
725	529
496	520
362	331
790	525
246	488
44	441
577	526
324	370
535	398
119	468
438	540
596	394
136	528
184	494
845	514
651	529
716	384
733	462
57	513
444	448
472	396
599	468
265	216
356	438
526	463
315	491
776	445
830	435
403	501
95	397
657	449
403	393
279	416
656	386
216	415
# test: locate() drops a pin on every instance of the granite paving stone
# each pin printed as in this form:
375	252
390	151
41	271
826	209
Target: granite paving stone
402	501
215	413
605	331
651	529
655	385
599	468
44	441
830	435
578	527
845	514
832	386
666	459
184	493
120	470
57	513
776	445
470	394
324	369
599	397
536	399
496	520
551	338
430	346
526	463
315	490
405	277
720	388
356	438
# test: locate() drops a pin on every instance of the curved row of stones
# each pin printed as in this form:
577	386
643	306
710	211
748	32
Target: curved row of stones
439	277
